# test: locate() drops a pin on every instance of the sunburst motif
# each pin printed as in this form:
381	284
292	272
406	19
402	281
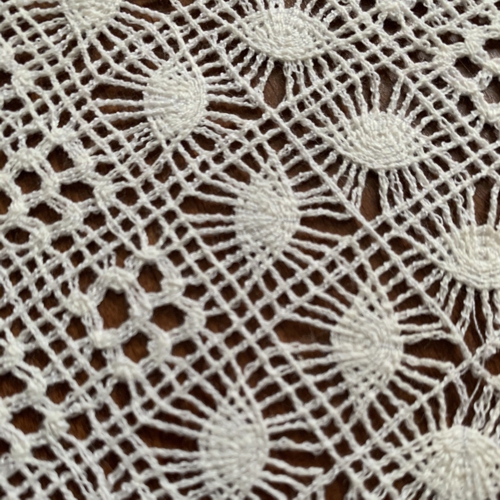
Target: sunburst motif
175	101
286	38
452	459
472	256
461	463
365	342
367	346
234	448
385	139
266	217
288	35
460	259
379	141
225	440
257	218
171	99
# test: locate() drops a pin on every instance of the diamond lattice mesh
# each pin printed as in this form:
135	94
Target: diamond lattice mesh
249	249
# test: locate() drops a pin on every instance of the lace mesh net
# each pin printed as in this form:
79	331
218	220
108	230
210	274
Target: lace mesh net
249	249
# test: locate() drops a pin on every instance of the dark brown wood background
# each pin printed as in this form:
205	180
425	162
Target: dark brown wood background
114	307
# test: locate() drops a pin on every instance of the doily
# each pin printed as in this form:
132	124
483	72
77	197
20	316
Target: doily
250	249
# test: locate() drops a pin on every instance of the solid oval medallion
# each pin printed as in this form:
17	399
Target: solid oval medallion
460	463
234	448
175	101
366	346
285	34
266	216
379	141
472	256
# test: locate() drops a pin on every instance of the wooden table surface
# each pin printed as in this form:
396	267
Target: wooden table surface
114	307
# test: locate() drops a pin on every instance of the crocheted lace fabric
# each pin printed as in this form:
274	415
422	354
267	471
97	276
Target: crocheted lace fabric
249	249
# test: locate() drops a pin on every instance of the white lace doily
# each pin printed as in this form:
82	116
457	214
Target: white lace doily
249	249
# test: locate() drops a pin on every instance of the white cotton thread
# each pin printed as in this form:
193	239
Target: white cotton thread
92	14
285	34
175	100
367	348
233	449
240	250
267	217
473	256
395	7
461	464
379	141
